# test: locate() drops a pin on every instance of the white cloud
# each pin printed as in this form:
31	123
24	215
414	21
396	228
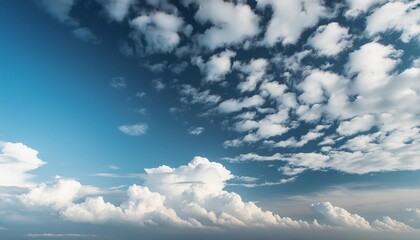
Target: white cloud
340	216
255	71
356	125
254	157
389	224
235	105
290	18
157	32
196	131
190	195
372	63
291	171
16	160
319	85
57	196
216	68
134	130
118	82
117	9
231	23
331	39
396	16
193	95
358	7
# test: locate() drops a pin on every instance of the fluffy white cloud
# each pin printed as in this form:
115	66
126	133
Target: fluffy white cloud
134	130
340	216
331	39
396	16
292	142
117	9
389	224
356	125
157	32
357	7
57	196
290	18
231	23
318	85
216	68
16	160
143	207
191	195
255	71
372	63
234	105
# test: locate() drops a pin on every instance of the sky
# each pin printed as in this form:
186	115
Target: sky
193	119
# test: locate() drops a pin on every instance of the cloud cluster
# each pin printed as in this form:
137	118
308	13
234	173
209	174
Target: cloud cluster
191	195
16	161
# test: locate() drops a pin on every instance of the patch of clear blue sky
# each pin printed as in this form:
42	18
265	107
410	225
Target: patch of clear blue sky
55	97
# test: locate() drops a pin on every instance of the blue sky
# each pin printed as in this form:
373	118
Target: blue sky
208	119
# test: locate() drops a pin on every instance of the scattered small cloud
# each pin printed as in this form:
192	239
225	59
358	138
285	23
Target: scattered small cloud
134	130
196	130
118	83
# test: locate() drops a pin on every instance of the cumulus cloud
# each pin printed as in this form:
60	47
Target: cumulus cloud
356	125
290	18
117	9
234	105
156	32
396	16
216	68
331	39
340	216
389	224
254	71
231	23
358	7
57	196
190	195
134	130
16	161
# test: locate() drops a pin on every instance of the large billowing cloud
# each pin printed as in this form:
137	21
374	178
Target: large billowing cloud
191	195
16	161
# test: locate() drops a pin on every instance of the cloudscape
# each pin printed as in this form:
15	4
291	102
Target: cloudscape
210	119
